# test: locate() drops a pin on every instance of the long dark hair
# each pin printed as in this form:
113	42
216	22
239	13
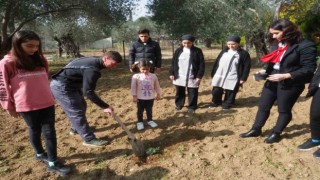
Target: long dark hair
291	33
23	60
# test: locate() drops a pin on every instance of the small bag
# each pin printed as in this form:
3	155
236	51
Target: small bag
260	76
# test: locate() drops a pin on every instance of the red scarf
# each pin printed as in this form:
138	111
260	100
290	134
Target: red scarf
274	56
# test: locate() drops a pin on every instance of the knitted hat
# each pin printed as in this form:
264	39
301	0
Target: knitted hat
188	37
234	39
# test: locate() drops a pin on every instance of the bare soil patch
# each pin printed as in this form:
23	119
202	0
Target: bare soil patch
205	145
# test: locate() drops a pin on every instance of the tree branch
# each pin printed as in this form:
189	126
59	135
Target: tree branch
44	13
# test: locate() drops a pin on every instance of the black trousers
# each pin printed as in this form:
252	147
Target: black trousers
315	116
42	121
192	97
229	97
144	105
285	97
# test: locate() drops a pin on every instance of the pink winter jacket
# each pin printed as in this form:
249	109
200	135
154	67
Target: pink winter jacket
23	90
144	87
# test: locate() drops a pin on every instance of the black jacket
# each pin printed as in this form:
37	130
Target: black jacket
150	51
196	59
83	74
300	61
244	65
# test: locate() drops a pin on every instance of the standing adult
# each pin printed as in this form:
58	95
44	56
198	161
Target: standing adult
186	71
76	80
25	92
314	141
289	68
145	49
229	72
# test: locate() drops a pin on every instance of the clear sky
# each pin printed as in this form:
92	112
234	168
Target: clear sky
140	10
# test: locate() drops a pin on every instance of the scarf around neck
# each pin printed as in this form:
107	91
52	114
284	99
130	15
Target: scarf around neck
274	56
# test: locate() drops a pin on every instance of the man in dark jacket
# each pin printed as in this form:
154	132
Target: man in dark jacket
76	80
145	49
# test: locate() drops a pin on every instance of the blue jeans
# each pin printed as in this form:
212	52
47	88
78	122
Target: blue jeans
75	106
38	121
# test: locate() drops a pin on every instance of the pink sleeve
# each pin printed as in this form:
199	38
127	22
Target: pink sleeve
134	85
157	85
6	70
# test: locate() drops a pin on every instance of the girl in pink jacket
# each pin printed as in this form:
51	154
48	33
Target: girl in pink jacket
25	92
144	89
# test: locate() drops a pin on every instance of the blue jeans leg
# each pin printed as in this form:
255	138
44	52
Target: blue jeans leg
74	105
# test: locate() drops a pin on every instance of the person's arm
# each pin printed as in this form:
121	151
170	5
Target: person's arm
201	65
6	100
90	78
246	67
308	52
172	67
158	56
132	55
157	87
134	88
216	64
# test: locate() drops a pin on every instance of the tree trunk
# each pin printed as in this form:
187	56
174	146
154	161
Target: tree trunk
258	41
207	42
66	43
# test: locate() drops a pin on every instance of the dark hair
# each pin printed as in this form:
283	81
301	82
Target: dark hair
113	55
145	64
144	31
290	32
23	60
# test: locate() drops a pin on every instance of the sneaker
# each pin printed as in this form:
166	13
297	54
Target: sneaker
43	157
316	154
59	168
225	109
73	132
308	145
152	124
95	143
140	126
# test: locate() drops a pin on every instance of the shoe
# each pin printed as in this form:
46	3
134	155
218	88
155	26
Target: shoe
59	168
140	126
191	111
43	157
73	132
316	154
213	106
308	145
225	109
251	133
152	124
178	108
273	138
95	143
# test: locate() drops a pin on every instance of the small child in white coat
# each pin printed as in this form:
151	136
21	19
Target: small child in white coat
144	89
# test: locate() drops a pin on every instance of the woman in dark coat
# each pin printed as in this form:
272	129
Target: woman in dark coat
186	71
229	72
289	68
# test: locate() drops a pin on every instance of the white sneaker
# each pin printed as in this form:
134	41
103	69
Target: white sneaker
140	126
152	124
